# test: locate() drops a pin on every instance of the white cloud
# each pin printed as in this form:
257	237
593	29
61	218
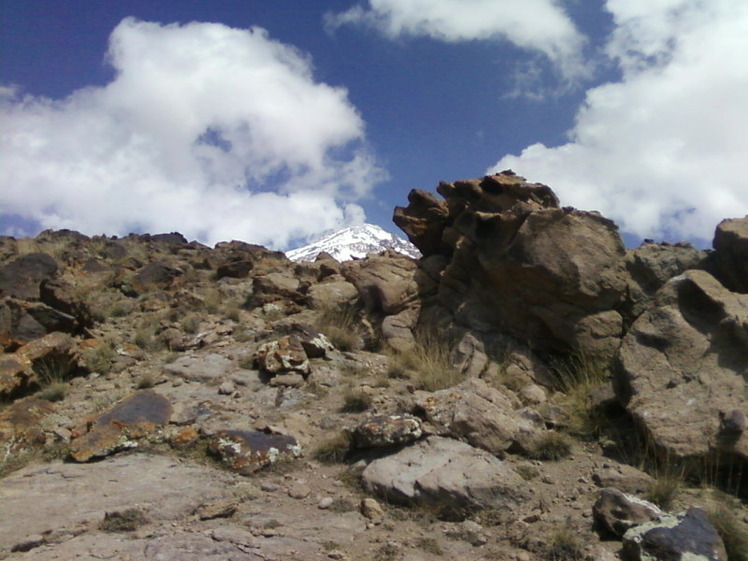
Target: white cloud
536	25
219	133
663	151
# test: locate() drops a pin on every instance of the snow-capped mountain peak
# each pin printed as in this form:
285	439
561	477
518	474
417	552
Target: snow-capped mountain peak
355	242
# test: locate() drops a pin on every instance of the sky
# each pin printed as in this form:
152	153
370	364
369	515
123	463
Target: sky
275	121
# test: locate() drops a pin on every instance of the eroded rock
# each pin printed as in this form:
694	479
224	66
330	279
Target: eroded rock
683	365
617	512
387	430
687	535
121	427
248	451
446	473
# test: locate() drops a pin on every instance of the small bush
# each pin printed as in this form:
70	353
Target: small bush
145	381
664	490
100	358
577	377
428	362
54	369
527	472
733	532
191	324
550	446
355	401
429	545
54	392
334	449
123	521
564	545
338	323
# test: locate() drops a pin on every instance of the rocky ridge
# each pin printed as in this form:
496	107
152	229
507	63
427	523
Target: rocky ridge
515	394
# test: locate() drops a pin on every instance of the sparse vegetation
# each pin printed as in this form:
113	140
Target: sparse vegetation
54	392
338	323
733	531
429	545
578	376
334	449
355	401
428	363
664	490
99	358
551	445
123	521
145	381
564	545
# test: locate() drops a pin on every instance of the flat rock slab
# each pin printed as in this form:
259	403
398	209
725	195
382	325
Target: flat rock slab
201	368
445	472
121	425
55	497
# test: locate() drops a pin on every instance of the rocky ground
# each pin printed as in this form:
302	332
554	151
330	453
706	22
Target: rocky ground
167	401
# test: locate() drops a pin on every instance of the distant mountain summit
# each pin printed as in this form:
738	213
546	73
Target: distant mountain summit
355	242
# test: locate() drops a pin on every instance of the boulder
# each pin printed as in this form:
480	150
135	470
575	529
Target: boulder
120	427
687	535
333	293
386	283
446	473
248	451
650	266
52	355
519	264
154	275
477	413
20	422
731	254
67	299
616	512
21	277
283	355
683	367
387	430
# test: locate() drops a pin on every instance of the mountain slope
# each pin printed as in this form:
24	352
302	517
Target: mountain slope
354	243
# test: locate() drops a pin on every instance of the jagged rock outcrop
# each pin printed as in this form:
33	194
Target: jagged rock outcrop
683	366
731	254
518	263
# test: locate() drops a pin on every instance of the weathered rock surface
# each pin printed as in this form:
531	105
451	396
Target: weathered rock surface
205	368
477	413
683	366
283	355
247	451
387	430
165	488
441	471
521	265
617	512
731	255
651	265
21	277
121	426
688	535
50	355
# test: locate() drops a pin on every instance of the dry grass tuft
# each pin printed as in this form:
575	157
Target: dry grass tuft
550	445
428	363
335	449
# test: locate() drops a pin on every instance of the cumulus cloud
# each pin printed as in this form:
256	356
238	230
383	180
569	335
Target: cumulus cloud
217	132
663	150
536	25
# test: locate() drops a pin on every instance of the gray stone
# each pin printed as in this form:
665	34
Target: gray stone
447	473
201	368
685	536
617	512
387	430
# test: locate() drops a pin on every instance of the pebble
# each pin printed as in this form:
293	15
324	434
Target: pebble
269	486
299	491
325	503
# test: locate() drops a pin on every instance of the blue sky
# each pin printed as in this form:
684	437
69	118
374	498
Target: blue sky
274	121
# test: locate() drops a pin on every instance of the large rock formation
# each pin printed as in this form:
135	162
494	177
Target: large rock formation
683	367
516	262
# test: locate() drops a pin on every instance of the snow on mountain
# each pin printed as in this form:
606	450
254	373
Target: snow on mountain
354	242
